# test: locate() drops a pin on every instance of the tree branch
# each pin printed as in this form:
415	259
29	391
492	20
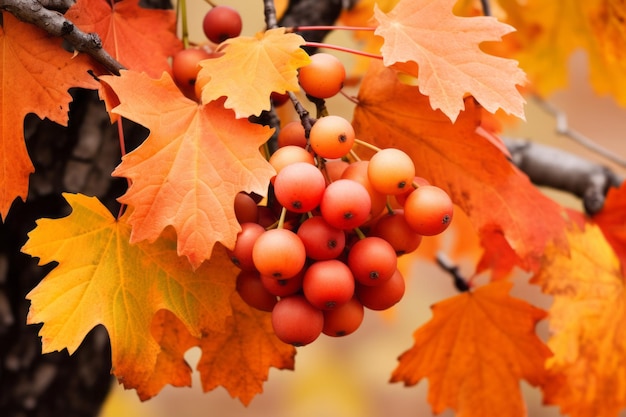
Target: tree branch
54	23
564	171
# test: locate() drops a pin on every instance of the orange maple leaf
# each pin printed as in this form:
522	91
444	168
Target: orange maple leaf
251	68
122	286
140	39
587	323
239	358
188	171
36	76
474	352
612	221
451	63
497	197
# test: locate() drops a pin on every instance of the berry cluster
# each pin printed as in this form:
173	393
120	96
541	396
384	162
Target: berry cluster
333	250
219	24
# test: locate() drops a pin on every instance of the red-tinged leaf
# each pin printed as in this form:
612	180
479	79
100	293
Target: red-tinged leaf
612	221
588	326
497	197
188	171
475	351
239	358
140	39
36	75
122	287
446	48
251	68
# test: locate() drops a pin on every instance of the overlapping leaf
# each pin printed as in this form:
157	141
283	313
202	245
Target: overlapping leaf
239	358
36	76
122	286
549	32
251	68
474	352
588	324
497	197
446	48
188	171
612	221
140	39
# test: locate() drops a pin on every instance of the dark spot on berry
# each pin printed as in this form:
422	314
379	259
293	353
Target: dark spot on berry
342	138
332	244
235	260
277	275
341	333
402	184
446	219
330	304
374	275
281	282
348	215
297	205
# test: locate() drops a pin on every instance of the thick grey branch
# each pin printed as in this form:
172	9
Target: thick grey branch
53	22
564	171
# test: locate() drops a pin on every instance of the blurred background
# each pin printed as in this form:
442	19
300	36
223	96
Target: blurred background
348	377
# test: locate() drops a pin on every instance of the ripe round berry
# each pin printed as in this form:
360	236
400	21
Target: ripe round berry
321	240
278	253
383	296
391	171
253	292
343	320
345	204
331	137
328	284
185	68
428	210
296	321
394	229
221	23
357	171
372	260
288	155
323	77
241	254
292	134
299	187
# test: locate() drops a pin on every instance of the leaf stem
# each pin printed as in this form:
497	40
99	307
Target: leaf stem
367	145
342	49
181	12
359	233
338	27
281	219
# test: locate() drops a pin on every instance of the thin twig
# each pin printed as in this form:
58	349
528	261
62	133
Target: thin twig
54	23
486	7
562	128
271	21
447	265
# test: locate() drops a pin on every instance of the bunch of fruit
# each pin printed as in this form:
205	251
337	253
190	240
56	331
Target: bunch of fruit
323	246
333	250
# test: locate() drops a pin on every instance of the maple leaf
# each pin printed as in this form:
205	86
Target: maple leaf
587	323
43	72
122	286
446	49
497	197
549	32
612	221
140	39
474	352
239	358
251	68
188	171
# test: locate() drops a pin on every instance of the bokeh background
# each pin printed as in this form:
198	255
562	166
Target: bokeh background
348	377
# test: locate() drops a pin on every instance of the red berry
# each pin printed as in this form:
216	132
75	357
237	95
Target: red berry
428	210
279	253
296	321
328	284
221	23
323	77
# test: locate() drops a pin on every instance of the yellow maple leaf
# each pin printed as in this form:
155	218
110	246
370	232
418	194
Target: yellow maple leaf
588	326
251	68
446	48
474	352
102	279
